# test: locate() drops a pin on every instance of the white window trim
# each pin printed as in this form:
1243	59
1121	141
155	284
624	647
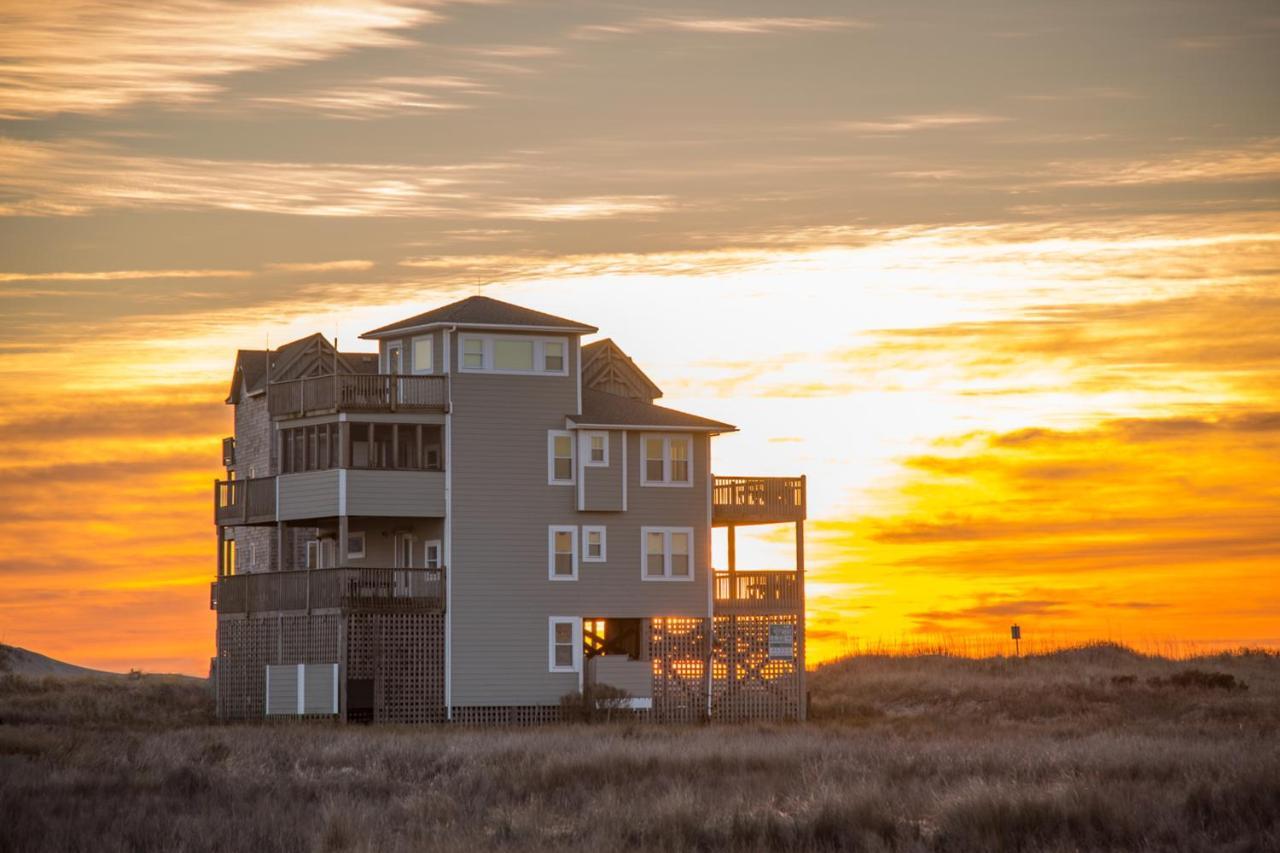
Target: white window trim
313	554
352	553
552	530
666	554
552	621
552	435
539	359
666	481
604	543
426	550
586	449
429	343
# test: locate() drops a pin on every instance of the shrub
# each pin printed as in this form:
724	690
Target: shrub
1199	679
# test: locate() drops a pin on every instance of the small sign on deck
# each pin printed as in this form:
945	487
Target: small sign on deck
782	639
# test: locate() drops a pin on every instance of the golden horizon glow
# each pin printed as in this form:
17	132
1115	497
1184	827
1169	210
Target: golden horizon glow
1020	334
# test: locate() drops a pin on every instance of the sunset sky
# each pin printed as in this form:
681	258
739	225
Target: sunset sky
1002	278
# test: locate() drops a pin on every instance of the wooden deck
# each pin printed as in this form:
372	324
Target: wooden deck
757	593
757	500
357	392
244	502
329	589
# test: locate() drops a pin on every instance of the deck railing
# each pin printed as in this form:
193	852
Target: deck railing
745	593
757	500
320	589
248	501
356	392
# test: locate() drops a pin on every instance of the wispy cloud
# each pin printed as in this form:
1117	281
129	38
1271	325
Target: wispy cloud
925	121
716	26
76	178
121	275
323	266
382	96
1256	160
98	55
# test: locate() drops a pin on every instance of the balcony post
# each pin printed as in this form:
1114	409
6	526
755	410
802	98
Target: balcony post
280	537
800	616
222	551
344	534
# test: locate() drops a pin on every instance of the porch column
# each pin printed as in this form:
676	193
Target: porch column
344	532
222	552
281	529
800	620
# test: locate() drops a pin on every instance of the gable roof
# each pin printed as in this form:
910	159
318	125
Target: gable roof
606	367
482	311
305	356
600	408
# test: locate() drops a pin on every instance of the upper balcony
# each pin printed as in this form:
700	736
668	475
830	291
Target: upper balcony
330	589
757	500
244	502
757	593
357	392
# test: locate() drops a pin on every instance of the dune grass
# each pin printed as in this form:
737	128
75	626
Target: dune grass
1096	748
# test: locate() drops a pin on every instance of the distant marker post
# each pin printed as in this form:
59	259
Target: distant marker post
1016	633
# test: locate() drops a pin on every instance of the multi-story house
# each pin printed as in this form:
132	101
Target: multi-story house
480	519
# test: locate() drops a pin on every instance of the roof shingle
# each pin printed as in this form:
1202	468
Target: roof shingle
605	409
482	311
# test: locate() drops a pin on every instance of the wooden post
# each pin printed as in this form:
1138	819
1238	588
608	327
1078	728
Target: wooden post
732	638
222	552
280	535
344	534
800	620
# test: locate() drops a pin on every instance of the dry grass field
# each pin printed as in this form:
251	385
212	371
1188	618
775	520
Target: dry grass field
1088	749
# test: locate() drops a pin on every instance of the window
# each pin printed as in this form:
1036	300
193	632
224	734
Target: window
410	447
473	353
562	557
553	356
668	553
355	544
559	458
431	555
423	355
667	460
309	448
521	354
564	644
320	553
597	449
512	354
593	545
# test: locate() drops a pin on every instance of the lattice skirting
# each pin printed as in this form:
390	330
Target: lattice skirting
246	646
403	655
746	683
506	715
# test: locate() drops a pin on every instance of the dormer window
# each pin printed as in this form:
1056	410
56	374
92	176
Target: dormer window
513	354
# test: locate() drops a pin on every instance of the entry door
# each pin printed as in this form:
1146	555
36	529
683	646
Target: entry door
403	584
395	366
404	551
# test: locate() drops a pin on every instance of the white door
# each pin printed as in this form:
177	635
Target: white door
431	555
395	366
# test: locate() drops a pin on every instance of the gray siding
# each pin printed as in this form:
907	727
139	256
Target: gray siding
313	494
502	507
410	494
602	486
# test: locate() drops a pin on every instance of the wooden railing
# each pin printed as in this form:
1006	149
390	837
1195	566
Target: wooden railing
248	501
745	593
757	500
356	392
320	589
